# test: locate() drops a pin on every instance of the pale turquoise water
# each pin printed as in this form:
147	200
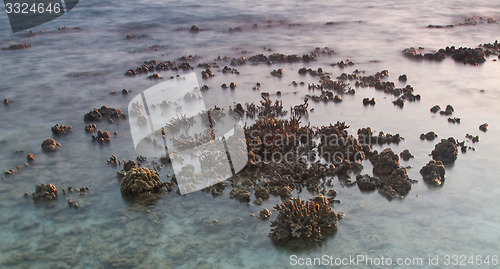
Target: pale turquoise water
459	218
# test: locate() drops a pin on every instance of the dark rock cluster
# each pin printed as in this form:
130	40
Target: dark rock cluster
277	72
483	127
61	129
207	73
368	101
367	183
406	155
428	136
366	136
446	150
449	110
104	112
102	136
17	46
473	56
45	192
433	172
394	180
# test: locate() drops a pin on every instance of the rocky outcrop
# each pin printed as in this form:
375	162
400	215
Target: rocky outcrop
483	127
367	183
61	129
104	112
385	163
265	213
301	224
433	172
446	150
18	46
45	192
406	155
50	145
398	183
102	136
428	136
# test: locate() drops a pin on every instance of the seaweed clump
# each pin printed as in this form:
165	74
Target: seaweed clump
301	224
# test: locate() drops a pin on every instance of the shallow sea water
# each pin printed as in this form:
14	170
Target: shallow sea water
65	74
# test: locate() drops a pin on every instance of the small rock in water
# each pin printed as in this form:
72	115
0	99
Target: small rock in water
194	29
483	127
265	213
406	155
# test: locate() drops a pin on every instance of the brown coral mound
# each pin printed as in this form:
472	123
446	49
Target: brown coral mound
385	163
300	224
45	191
104	112
50	145
140	180
446	150
433	173
61	129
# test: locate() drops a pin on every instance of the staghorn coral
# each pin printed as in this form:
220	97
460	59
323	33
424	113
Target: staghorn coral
301	224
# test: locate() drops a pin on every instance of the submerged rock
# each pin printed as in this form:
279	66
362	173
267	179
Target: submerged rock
194	29
18	46
104	112
367	183
428	136
102	136
398	181
301	224
483	127
61	129
433	172
45	191
406	155
265	213
446	150
385	163
448	111
50	145
140	180
435	109
368	101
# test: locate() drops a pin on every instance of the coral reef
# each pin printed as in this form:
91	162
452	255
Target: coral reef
433	172
446	150
45	192
300	224
140	180
50	145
